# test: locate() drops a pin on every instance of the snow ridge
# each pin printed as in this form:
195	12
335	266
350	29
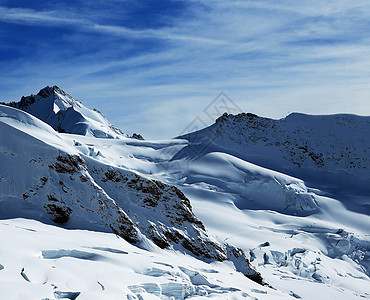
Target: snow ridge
331	148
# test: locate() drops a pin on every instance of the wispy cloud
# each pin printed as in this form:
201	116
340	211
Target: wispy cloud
271	58
53	18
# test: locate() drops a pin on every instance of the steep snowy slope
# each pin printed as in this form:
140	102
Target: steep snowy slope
333	150
52	182
65	114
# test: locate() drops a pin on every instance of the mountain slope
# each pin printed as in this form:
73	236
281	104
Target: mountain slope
59	184
254	187
330	151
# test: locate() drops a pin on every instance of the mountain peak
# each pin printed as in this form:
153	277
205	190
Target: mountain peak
53	91
242	116
62	100
48	91
65	114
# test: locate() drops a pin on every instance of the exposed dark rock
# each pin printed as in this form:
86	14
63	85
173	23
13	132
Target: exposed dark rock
265	244
43	180
170	210
317	158
68	164
138	136
58	214
57	209
149	201
23	104
159	239
83	178
47	91
125	229
160	184
242	264
114	176
160	242
195	249
256	277
146	186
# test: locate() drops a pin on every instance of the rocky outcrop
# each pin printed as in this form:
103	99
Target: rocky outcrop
138	136
68	164
164	214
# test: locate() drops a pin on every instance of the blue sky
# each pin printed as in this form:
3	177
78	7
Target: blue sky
153	66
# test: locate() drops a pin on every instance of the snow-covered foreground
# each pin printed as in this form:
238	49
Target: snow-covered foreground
39	261
121	218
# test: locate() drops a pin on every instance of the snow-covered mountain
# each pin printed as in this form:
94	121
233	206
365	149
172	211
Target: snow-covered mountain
57	184
282	202
331	148
65	114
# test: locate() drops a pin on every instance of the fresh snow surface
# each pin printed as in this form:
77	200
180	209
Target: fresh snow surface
306	236
44	262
